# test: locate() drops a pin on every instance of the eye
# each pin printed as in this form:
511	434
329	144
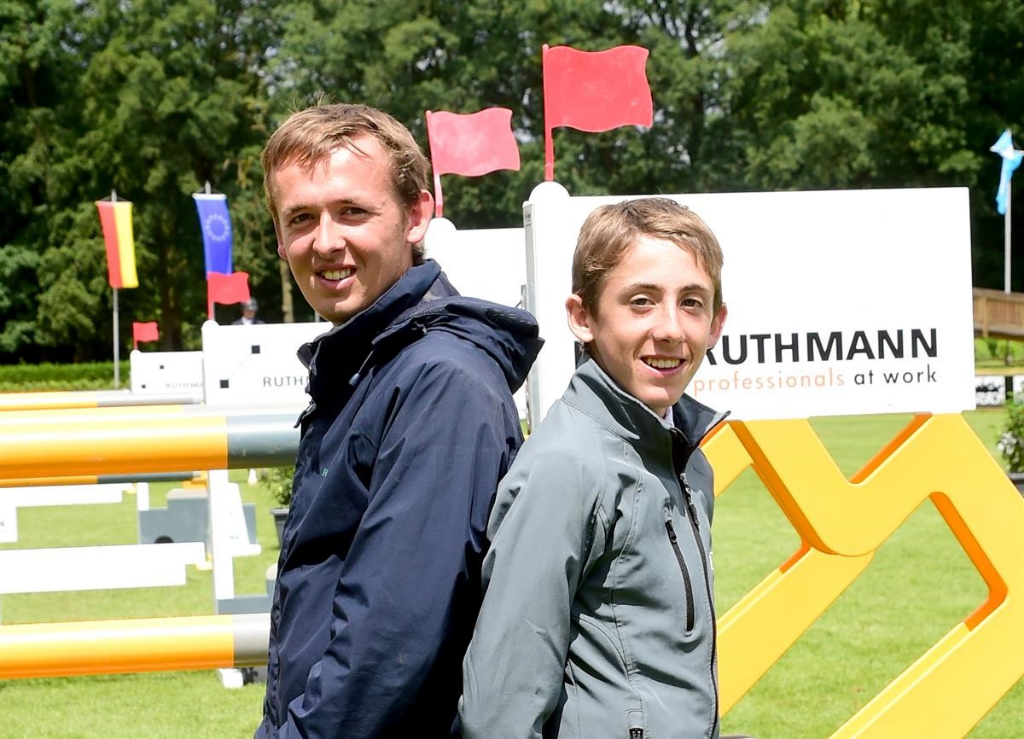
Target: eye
353	211
693	303
299	218
640	302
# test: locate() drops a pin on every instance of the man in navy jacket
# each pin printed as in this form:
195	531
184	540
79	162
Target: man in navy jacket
410	427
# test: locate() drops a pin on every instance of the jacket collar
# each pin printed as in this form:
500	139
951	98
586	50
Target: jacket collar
595	393
344	348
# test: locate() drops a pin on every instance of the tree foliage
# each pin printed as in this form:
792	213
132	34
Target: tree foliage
154	98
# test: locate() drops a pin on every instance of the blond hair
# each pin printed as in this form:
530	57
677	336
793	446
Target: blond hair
610	231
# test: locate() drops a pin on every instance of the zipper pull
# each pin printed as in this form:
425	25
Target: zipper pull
636	734
671	531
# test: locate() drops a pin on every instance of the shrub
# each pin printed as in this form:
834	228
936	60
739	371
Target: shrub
1011	443
279	482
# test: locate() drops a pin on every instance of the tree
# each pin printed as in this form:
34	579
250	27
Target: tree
153	99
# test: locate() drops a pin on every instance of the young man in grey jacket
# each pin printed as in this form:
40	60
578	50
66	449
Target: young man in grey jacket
598	618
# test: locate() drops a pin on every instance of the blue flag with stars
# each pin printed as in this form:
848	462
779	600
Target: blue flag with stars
1011	160
216	224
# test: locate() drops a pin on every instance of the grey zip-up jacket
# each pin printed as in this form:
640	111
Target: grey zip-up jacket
598	620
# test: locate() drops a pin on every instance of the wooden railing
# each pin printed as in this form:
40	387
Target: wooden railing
998	314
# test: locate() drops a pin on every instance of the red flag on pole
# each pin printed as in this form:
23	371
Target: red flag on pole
593	91
470	144
226	289
116	220
144	331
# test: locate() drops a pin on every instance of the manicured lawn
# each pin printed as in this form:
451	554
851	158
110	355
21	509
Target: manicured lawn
919	585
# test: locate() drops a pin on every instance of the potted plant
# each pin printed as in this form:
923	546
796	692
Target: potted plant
1011	443
279	482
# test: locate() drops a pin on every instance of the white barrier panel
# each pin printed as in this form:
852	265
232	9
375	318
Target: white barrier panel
97	568
840	302
11	499
163	372
990	390
257	363
485	263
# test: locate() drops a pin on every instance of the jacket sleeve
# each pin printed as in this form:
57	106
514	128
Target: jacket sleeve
546	528
405	586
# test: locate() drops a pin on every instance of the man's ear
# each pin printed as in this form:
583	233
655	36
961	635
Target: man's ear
579	319
419	217
717	324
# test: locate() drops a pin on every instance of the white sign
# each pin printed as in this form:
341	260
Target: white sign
166	372
487	263
840	302
256	363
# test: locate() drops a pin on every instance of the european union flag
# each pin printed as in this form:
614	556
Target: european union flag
216	224
1011	160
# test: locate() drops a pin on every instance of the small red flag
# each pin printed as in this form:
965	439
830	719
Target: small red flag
471	144
144	331
593	91
226	289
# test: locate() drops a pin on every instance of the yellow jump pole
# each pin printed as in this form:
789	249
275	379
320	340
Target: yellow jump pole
116	413
92	399
135	645
34	482
147	444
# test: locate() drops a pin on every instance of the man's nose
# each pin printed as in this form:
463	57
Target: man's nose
669	327
329	235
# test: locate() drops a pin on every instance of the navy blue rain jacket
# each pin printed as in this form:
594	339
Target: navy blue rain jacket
410	428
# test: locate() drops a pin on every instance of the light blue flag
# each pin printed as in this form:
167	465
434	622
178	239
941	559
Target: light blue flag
216	224
1011	160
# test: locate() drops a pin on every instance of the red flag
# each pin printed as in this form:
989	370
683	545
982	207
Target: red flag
146	331
593	91
470	144
226	289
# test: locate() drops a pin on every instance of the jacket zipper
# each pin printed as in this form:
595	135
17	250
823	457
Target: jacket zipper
686	575
688	493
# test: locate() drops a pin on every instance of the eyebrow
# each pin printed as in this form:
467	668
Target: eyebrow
343	202
692	287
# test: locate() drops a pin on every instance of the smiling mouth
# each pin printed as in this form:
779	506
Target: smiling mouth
337	274
662	364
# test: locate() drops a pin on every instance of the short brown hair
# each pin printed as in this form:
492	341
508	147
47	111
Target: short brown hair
309	137
610	231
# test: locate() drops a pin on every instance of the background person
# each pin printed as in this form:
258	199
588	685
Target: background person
598	617
248	317
410	426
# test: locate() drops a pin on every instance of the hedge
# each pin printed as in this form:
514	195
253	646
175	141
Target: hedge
57	377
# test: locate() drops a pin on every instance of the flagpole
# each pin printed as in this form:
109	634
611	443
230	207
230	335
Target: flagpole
117	352
549	144
1006	246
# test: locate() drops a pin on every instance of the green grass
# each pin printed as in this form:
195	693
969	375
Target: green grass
917	588
998	356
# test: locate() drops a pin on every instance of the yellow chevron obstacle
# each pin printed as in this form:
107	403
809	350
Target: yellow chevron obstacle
841	524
